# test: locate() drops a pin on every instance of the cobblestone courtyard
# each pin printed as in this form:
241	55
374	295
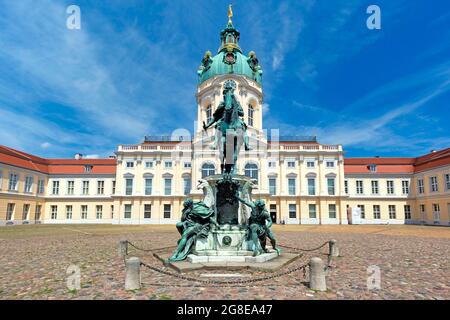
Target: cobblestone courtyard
414	263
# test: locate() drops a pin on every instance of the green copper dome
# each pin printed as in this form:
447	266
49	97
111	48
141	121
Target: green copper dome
229	59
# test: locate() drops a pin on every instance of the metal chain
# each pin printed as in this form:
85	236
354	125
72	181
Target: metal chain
209	282
149	250
305	250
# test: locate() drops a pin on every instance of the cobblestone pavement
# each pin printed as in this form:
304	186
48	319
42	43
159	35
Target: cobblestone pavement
34	261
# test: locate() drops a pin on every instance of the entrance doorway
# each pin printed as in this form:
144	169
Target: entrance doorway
273	213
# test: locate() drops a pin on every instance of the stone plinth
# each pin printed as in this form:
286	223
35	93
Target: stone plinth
242	256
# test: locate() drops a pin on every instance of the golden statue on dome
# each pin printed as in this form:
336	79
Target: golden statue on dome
230	13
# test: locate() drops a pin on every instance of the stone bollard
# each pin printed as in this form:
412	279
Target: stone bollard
133	274
317	275
334	250
123	248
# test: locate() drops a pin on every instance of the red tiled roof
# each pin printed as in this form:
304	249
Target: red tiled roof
55	166
398	165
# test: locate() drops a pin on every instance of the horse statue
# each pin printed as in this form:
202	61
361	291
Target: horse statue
231	129
196	221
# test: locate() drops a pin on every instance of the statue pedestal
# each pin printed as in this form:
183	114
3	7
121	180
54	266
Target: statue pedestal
225	245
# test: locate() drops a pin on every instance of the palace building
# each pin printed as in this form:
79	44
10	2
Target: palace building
301	180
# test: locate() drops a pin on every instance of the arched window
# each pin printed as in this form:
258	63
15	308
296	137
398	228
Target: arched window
230	39
208	113
251	171
208	169
251	111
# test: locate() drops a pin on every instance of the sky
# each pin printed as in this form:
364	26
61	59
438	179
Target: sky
130	71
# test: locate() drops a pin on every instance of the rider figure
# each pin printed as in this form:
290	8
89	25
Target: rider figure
229	100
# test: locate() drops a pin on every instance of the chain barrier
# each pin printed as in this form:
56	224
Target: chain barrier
235	282
149	250
305	250
215	282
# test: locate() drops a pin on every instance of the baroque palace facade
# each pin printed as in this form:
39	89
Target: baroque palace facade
301	180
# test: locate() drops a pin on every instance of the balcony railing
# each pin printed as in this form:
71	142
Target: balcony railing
188	148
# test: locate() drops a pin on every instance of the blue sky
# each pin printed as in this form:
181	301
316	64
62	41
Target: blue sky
131	71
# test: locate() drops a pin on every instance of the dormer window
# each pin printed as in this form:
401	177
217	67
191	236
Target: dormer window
372	167
88	169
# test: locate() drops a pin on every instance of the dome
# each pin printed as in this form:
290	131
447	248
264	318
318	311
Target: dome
229	59
239	67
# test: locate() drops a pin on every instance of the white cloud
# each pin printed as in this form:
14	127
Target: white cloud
46	145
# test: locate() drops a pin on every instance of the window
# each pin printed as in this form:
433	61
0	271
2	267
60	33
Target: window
25	212
37	212
187	165
149	164
251	171
420	186
127	211
54	212
446	178
311	186
407	209
147	211
167	211
405	187
363	211
376	211
128	187
186	185
392	213
372	167
40	188
148	186
55	189
390	186
85	187
84	211
13	182
291	164
291	186
208	169
88	169
312	211
346	186
10	211
1	179
113	191
292	211
436	212
208	113
375	189
99	212
101	187
251	112
434	184
112	211
331	186
167	186
69	212
310	163
332	211
272	164
273	186
168	164
359	187
70	187
330	164
130	164
28	184
422	212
